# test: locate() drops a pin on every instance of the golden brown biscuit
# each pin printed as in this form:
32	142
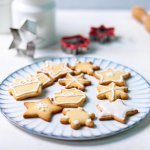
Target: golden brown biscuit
25	88
69	98
55	70
110	75
43	109
71	81
77	117
85	67
43	78
116	110
112	92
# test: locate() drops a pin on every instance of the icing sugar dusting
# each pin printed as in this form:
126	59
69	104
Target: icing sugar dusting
42	106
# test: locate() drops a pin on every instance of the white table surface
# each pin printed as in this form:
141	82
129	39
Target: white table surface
132	50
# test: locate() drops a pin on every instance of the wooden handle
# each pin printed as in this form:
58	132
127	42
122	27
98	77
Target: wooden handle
142	16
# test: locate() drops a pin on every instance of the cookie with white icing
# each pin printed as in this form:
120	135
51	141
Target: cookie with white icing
43	78
77	81
69	98
43	109
55	70
77	117
84	67
112	92
25	88
110	75
116	110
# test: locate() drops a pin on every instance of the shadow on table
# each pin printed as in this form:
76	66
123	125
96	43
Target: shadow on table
119	137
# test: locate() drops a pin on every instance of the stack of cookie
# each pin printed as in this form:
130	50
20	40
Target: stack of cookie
71	99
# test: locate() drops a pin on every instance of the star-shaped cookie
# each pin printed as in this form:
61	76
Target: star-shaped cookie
112	92
116	110
84	67
107	76
42	109
55	70
77	117
71	81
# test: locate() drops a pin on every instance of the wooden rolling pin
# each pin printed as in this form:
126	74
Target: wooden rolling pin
142	16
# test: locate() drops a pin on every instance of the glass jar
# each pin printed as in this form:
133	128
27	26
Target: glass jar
40	11
5	16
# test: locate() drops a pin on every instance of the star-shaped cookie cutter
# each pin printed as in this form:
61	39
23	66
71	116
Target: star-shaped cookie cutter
102	33
76	44
25	38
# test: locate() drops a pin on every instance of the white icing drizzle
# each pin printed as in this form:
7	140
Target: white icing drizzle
28	80
69	94
90	113
80	108
65	117
49	66
76	122
116	108
42	106
110	73
89	120
90	70
39	75
24	82
75	79
112	90
78	70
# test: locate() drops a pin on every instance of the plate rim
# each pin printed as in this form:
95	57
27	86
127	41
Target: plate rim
32	132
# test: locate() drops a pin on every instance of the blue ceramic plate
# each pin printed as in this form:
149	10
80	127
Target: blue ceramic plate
139	93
